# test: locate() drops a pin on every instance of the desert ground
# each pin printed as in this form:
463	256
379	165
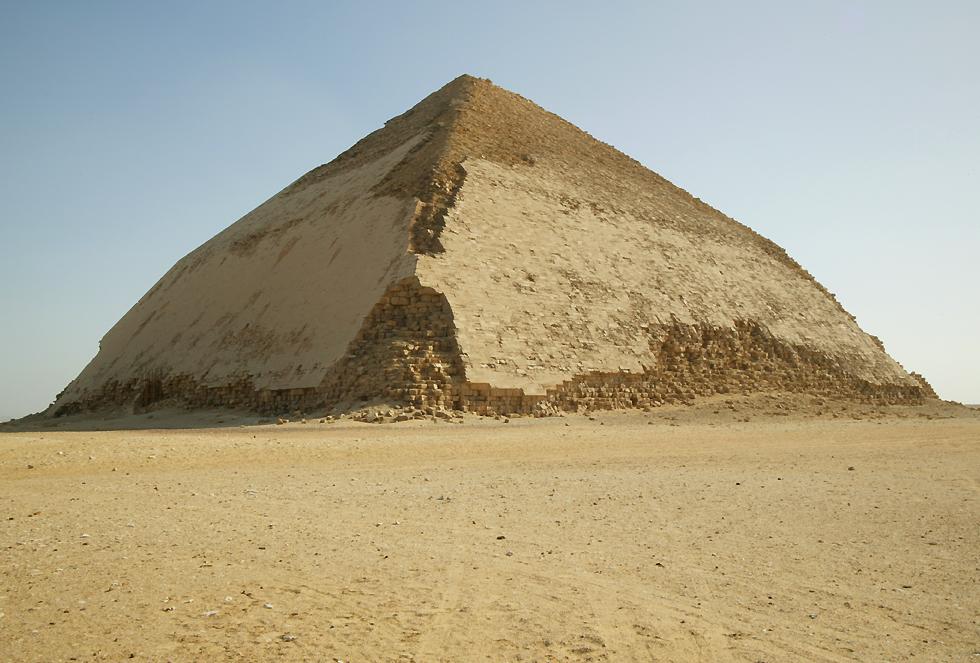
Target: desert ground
735	530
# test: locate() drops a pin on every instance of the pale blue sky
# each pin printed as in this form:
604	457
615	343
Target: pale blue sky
131	132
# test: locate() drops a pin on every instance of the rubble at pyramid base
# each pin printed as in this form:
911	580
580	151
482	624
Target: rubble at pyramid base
406	356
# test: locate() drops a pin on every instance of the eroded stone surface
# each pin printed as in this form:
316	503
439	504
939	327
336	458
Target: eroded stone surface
586	286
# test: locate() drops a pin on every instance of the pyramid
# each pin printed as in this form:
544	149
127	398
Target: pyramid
481	253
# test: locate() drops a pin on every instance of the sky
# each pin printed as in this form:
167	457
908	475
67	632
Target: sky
132	132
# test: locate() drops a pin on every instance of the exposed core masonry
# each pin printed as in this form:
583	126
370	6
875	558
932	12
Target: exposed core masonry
482	254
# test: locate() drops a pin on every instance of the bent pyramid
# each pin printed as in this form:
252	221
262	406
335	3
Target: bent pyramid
479	252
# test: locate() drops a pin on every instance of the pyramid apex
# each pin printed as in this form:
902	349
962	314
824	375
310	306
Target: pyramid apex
470	78
462	85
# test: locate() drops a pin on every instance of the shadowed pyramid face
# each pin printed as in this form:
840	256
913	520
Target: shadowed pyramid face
479	252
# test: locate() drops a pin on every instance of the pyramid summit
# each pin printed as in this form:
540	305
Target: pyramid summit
481	253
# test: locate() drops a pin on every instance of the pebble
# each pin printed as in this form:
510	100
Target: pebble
210	613
267	605
287	637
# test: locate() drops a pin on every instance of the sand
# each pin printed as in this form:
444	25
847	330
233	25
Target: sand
679	535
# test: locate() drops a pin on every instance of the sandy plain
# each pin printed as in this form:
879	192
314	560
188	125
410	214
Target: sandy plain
724	532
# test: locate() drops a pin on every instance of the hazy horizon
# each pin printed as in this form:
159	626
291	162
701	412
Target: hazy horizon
844	133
